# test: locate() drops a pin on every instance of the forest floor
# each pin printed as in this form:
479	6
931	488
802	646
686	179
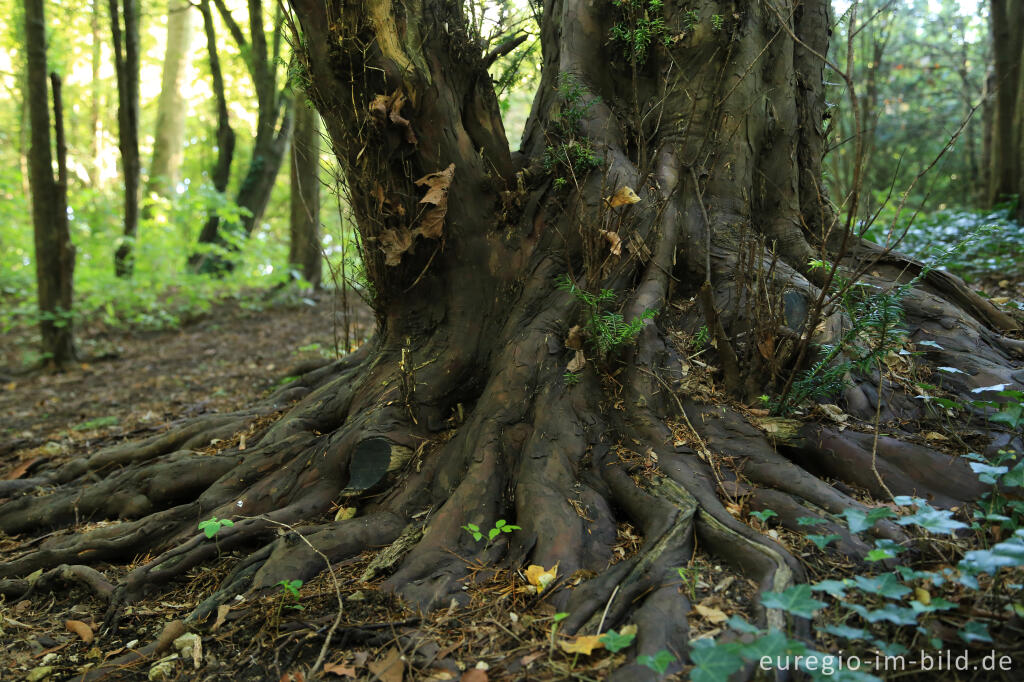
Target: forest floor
132	384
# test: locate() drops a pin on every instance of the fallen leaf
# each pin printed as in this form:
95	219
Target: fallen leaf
222	613
394	243
345	513
19	471
1000	300
540	577
623	197
628	630
391	668
530	658
581	645
934	435
577	362
474	675
614	242
575	338
340	670
711	614
83	631
387	108
922	595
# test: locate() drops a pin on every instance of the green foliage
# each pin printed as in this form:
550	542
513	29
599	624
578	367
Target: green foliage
97	423
607	330
212	526
573	155
689	577
640	25
763	515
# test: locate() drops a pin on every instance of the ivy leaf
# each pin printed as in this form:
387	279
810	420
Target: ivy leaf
973	631
938	521
897	615
660	662
886	585
617	641
809	521
764	515
859	521
1007	553
836	588
796	600
988	473
822	541
845	631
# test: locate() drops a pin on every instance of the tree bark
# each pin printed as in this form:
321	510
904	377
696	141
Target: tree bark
643	177
164	171
304	248
126	66
55	255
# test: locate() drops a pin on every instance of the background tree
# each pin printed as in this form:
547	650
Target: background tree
304	253
274	120
1007	153
55	255
531	359
124	24
172	108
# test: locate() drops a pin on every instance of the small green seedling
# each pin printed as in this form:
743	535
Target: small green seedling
290	588
555	619
764	515
212	525
659	662
689	578
501	526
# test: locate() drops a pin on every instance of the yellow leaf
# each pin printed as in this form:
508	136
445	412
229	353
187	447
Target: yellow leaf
540	577
922	595
614	242
623	197
628	629
1000	300
581	645
711	614
345	513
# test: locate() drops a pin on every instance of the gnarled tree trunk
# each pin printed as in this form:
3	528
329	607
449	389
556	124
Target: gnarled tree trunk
690	168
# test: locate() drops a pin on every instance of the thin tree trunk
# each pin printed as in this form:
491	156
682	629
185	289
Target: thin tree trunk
164	171
126	66
1007	37
304	250
54	252
95	96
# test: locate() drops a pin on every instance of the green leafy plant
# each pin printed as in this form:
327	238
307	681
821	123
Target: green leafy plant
572	156
555	620
571	378
639	26
717	22
212	526
763	515
689	577
606	330
500	526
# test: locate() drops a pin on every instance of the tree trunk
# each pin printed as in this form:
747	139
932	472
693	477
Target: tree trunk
95	96
1007	23
55	255
304	249
126	66
169	136
490	392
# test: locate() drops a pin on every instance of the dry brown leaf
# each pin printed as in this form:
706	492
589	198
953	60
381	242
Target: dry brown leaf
540	577
934	435
222	613
437	185
575	338
386	108
391	668
581	645
623	197
530	658
394	243
614	242
474	675
577	362
340	669
83	631
19	471
711	614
